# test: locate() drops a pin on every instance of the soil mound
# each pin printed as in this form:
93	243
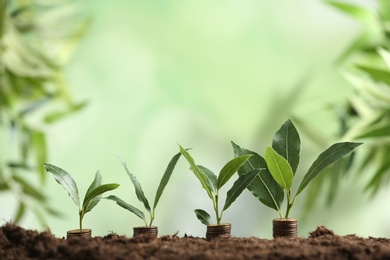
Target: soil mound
18	243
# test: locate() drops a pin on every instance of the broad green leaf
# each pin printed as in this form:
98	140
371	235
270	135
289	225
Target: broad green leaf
267	190
211	176
254	162
264	187
96	192
287	143
138	189
64	178
203	216
230	168
96	183
376	132
238	187
165	178
376	74
203	178
127	206
279	168
329	156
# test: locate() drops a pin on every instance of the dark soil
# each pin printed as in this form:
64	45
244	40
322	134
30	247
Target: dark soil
18	243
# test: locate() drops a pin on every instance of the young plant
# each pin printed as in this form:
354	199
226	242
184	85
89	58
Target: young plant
140	194
212	184
92	196
280	165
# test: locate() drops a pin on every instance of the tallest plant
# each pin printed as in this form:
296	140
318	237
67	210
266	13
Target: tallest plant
280	164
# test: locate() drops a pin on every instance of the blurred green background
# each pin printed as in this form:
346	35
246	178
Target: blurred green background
200	73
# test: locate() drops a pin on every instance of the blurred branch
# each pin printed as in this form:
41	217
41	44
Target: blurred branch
35	42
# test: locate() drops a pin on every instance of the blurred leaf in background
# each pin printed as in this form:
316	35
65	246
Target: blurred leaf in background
35	43
365	63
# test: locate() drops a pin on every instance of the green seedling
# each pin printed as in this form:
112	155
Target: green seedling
212	184
140	194
279	166
92	196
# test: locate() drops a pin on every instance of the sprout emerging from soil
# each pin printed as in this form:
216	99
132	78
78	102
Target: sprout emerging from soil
279	166
92	196
212	184
140	194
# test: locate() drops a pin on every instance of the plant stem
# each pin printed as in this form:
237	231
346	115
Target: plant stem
81	220
289	205
151	218
215	202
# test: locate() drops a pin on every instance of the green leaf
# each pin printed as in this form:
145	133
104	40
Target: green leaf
264	187
28	189
203	216
364	15
53	117
376	74
267	190
211	176
230	168
279	168
203	178
96	183
287	143
375	132
384	9
165	179
39	142
94	193
385	55
64	178
20	212
329	156
127	206
138	189
238	187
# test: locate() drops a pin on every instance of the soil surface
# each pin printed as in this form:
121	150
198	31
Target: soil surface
18	243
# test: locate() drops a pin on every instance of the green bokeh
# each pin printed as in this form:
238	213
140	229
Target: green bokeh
199	73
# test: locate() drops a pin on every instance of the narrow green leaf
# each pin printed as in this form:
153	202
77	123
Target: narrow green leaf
385	55
64	178
39	142
203	178
28	189
230	168
238	187
329	156
279	168
264	187
137	186
379	75
211	176
96	192
20	212
362	14
203	216
165	179
127	206
375	132
287	143
93	202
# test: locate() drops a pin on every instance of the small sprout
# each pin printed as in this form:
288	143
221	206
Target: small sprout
140	194
212	184
92	196
280	165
